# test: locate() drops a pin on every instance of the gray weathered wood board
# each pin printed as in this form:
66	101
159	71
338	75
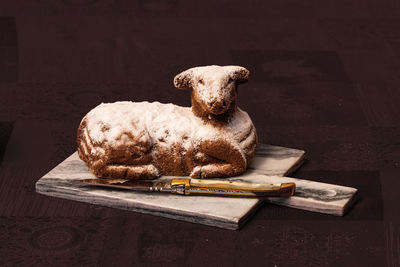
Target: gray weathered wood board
270	164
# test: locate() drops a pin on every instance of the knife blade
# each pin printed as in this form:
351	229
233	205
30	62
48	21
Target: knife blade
188	186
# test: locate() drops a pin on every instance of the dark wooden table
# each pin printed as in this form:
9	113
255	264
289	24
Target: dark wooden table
325	78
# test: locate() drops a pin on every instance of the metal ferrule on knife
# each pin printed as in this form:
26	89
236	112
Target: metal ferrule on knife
187	186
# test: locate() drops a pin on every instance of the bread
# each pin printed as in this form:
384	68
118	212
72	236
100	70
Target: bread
142	140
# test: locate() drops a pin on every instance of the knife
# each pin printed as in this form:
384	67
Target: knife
187	186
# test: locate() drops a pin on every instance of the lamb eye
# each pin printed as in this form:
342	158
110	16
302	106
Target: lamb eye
230	80
201	81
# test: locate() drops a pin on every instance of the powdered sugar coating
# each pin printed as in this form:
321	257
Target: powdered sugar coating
214	86
135	140
126	123
216	78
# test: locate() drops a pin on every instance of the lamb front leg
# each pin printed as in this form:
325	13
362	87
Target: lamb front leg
148	171
214	170
229	160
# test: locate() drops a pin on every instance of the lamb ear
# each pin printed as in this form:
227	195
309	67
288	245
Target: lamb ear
184	79
239	74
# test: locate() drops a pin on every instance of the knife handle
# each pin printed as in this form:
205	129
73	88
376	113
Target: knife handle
204	186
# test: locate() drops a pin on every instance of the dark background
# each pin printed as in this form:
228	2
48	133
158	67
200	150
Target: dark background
325	78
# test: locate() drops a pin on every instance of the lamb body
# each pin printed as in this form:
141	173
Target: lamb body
213	138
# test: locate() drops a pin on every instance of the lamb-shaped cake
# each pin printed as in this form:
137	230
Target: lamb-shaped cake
142	140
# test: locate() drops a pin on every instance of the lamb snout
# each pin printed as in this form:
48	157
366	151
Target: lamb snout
217	106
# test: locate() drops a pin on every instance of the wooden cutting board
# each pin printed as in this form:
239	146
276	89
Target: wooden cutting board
270	165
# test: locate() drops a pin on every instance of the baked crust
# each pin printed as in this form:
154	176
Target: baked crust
142	140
